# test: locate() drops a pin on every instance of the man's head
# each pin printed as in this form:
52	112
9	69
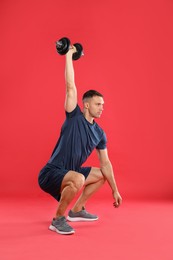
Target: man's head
93	103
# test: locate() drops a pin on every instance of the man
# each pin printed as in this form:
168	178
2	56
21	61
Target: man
63	176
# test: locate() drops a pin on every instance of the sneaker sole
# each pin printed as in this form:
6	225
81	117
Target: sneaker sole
74	219
52	228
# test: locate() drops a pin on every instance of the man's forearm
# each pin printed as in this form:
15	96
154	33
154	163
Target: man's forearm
69	71
108	173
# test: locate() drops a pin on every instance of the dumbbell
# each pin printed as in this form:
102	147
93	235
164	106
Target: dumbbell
63	46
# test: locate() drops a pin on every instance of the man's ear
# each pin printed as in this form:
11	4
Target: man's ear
86	105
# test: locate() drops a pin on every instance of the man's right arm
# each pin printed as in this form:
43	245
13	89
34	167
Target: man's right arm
107	171
71	91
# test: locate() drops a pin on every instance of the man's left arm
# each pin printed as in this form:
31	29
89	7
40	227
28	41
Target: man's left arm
108	173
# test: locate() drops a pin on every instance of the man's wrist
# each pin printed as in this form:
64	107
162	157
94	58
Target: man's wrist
69	54
115	190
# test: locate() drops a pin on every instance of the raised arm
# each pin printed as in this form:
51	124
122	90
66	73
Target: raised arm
107	171
71	91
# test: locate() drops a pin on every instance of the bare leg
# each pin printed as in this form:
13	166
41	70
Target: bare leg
71	184
94	181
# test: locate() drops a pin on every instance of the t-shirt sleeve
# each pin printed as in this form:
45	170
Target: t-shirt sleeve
102	143
73	113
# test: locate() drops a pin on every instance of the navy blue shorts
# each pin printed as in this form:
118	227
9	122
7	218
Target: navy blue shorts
50	178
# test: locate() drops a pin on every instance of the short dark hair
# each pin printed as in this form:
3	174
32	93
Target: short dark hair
91	93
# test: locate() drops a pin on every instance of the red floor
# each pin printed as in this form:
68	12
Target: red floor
136	230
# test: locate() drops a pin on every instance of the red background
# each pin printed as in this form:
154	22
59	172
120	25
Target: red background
128	57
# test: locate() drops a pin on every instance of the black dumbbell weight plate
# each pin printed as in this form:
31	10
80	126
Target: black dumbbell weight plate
63	45
79	52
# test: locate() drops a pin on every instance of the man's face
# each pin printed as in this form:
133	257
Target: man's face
95	106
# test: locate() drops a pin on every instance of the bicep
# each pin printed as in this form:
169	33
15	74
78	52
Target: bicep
70	99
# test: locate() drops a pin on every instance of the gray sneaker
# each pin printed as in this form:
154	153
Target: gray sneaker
82	215
61	226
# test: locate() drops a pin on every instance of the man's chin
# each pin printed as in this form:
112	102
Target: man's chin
98	116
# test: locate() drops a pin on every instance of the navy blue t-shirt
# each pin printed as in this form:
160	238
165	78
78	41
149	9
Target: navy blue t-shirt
77	140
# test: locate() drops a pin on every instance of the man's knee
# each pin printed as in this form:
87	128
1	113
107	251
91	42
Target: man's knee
75	182
78	182
102	178
95	176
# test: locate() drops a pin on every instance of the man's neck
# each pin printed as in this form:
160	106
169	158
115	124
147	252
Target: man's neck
89	118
